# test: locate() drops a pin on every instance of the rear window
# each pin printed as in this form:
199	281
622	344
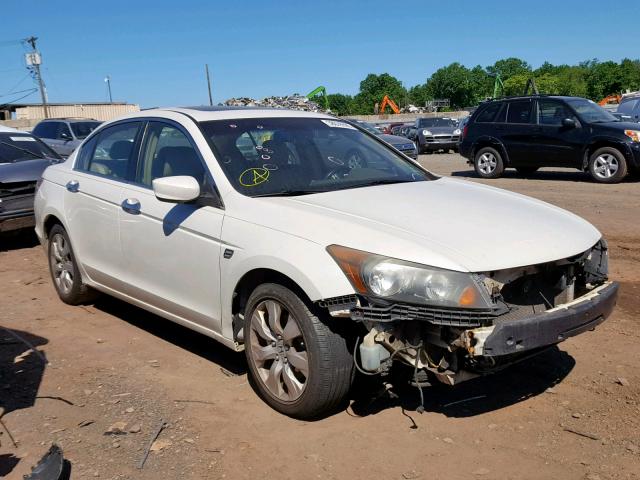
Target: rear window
489	113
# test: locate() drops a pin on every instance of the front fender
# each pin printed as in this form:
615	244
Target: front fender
254	246
604	140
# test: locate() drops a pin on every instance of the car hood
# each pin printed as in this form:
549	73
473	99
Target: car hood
620	126
23	171
394	139
445	223
439	130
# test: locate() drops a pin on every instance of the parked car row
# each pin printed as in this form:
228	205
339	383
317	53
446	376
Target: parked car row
64	134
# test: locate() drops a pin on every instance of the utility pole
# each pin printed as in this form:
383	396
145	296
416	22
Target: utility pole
33	63
108	80
206	67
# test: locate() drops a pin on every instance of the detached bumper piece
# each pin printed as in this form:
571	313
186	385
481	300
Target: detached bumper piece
552	326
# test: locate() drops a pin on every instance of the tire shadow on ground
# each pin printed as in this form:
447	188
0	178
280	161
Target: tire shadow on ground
474	397
19	239
567	176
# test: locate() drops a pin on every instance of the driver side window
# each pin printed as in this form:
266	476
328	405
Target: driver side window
168	152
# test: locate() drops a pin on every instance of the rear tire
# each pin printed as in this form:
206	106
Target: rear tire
488	163
526	171
64	270
607	165
297	362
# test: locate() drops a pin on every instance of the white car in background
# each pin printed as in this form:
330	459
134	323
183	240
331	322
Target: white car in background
246	225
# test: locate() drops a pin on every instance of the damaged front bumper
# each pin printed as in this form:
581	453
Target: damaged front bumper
547	328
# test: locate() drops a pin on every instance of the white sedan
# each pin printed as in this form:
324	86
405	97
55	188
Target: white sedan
248	226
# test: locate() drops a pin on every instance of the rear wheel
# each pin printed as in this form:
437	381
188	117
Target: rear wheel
299	365
488	163
526	171
64	269
607	165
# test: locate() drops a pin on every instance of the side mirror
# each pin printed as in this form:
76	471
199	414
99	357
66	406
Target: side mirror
65	136
178	189
569	123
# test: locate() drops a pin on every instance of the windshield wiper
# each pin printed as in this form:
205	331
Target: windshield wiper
23	150
288	193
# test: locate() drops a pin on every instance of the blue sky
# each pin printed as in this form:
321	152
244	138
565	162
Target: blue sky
155	51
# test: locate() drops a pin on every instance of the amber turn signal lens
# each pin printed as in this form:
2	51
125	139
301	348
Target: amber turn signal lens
469	297
350	261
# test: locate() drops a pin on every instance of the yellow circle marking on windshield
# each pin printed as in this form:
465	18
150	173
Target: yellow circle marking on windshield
253	176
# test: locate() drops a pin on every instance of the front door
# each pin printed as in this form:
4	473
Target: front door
171	250
559	145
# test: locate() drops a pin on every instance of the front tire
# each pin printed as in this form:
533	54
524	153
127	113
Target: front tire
607	165
64	269
488	163
298	364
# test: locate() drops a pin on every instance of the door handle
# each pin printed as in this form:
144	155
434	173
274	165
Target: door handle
73	186
131	205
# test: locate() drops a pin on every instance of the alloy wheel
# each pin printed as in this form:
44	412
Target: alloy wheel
606	166
487	163
278	350
61	263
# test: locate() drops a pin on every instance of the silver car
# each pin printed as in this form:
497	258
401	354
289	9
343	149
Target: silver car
64	134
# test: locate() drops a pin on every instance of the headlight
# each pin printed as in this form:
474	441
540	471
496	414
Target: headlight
426	132
402	281
457	131
634	135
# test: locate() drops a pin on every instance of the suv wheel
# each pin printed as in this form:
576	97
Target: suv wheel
607	165
64	269
299	365
488	163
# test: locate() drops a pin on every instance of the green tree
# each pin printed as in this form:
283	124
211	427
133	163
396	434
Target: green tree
603	79
373	89
419	94
452	82
340	104
509	67
630	74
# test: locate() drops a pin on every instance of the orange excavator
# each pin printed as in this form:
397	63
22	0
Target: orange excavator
610	99
387	101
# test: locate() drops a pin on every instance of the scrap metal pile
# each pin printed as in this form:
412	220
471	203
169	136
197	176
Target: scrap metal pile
292	102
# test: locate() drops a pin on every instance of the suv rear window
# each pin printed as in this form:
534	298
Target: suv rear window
519	112
489	114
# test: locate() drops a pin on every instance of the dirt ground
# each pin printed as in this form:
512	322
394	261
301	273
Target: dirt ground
571	413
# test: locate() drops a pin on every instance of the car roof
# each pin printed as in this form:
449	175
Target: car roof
523	97
70	119
205	113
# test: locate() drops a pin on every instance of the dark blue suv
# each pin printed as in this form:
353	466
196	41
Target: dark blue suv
531	132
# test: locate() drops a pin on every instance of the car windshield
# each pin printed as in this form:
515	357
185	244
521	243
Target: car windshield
437	122
17	147
295	156
590	111
369	128
83	129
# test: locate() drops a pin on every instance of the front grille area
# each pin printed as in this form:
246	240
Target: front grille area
16	196
437	316
441	138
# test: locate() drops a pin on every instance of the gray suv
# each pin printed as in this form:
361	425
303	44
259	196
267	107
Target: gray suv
64	134
629	108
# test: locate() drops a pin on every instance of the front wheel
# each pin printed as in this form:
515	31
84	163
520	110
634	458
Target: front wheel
607	165
488	163
298	364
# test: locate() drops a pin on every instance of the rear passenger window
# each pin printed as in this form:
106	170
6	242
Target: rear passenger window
168	152
85	153
489	114
114	151
519	112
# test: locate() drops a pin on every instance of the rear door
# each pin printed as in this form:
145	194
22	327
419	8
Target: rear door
92	200
519	132
172	250
558	145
